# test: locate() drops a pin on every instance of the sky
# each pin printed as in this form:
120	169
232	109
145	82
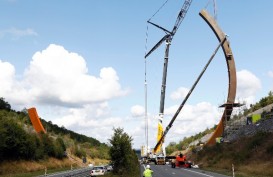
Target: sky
81	63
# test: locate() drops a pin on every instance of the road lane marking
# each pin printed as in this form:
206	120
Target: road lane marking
144	167
198	173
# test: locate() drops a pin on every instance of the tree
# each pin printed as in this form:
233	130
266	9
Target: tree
4	105
270	97
123	157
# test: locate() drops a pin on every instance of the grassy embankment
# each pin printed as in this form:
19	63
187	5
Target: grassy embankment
34	168
251	156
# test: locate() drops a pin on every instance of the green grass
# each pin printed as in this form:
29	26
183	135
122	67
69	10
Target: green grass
36	173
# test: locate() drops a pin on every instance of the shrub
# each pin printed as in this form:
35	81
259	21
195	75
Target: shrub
269	148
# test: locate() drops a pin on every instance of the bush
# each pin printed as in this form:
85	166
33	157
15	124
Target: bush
15	143
258	140
269	148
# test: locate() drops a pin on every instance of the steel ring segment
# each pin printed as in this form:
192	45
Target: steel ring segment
231	75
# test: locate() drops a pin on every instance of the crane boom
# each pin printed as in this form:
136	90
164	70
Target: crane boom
181	15
187	96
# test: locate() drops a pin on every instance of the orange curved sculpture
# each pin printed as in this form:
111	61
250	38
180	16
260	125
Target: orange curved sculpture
231	75
35	120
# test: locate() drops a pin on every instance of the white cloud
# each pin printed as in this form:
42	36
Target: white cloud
11	89
56	76
247	86
7	74
18	33
60	77
180	93
137	111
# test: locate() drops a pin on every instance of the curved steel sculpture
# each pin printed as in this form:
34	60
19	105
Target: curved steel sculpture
35	120
231	75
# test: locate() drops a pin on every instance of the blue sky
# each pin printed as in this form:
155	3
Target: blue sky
81	63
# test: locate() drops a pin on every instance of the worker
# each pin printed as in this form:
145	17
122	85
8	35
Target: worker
173	163
148	172
180	155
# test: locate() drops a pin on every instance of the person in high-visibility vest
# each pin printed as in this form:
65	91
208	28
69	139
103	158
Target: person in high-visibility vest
148	172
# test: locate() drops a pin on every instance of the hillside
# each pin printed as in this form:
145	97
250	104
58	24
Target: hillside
58	148
252	155
247	146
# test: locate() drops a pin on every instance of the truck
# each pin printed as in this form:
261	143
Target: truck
180	161
160	160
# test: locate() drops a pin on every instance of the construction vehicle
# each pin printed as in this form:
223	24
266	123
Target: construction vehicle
160	160
181	161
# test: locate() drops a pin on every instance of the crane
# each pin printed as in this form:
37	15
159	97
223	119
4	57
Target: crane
170	34
168	39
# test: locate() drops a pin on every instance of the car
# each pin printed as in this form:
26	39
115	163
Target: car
109	167
98	171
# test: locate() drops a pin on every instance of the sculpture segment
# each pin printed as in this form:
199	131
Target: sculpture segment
35	120
231	75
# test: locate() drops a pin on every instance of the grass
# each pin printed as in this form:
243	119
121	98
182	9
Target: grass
110	175
33	168
35	173
251	156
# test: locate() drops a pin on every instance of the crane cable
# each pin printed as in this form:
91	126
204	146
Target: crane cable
158	9
214	8
145	85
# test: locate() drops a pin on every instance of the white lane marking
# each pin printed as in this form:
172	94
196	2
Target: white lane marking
198	173
144	167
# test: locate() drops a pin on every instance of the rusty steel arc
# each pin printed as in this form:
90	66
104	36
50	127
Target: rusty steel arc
231	75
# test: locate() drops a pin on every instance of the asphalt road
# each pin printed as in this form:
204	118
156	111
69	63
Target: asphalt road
159	171
167	171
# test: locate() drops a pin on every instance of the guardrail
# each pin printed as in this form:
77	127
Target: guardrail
76	172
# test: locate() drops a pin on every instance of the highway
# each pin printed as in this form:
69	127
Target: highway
167	171
159	171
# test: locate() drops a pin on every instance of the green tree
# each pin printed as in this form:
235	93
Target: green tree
270	97
123	157
171	148
4	105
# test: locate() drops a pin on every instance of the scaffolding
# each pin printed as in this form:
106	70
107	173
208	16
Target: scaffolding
230	111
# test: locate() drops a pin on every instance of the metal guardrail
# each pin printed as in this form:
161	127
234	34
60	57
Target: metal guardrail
82	172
